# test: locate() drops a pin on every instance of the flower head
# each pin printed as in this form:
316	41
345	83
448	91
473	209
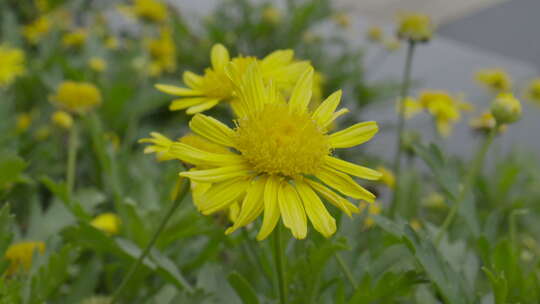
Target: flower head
533	90
374	34
150	10
163	53
11	64
62	119
20	255
75	39
35	31
76	97
97	64
415	27
272	14
107	222
496	80
24	120
279	158
215	86
506	108
485	122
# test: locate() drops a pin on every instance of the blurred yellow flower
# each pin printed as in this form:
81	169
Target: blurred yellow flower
76	97
11	64
375	34
411	107
387	177
271	14
215	85
97	64
20	255
275	148
373	208
163	53
392	44
35	31
485	122
415	27
62	119
342	19
533	90
112	43
150	10
506	108
75	39
107	222
496	80
24	120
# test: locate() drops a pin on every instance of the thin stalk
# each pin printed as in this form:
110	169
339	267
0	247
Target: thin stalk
73	143
182	194
346	270
279	259
401	124
476	166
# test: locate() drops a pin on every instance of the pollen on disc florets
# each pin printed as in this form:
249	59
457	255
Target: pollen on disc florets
276	141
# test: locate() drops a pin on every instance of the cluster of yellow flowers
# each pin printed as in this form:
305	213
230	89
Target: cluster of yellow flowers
11	64
278	158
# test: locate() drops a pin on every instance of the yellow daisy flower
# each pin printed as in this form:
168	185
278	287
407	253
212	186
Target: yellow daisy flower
150	10
533	90
496	80
445	109
11	64
20	255
415	27
370	209
77	97
36	30
62	119
163	53
107	222
282	158
97	64
412	107
75	39
215	86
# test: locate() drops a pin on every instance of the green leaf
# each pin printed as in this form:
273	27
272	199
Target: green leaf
169	271
499	284
11	167
6	234
243	289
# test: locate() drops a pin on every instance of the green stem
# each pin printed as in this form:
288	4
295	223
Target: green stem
475	168
346	270
182	194
73	143
279	259
401	125
252	254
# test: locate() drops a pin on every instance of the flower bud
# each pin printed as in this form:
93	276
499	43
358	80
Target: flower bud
506	108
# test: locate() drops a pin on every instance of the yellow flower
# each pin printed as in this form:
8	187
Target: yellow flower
271	14
112	43
36	30
387	177
20	255
76	97
445	109
506	108
11	64
150	10
533	90
342	19
163	53
485	122
215	85
370	209
496	79
415	27
412	107
374	34
62	119
281	160
75	39
97	64
24	120
107	222
318	82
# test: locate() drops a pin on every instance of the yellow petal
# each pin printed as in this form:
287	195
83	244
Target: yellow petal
354	135
335	116
219	56
212	129
325	110
271	208
199	157
192	80
217	175
184	103
277	58
210	103
316	211
352	169
252	205
344	184
222	195
174	90
301	94
334	198
292	211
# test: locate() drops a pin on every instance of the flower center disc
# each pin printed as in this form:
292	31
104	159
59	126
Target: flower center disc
276	141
